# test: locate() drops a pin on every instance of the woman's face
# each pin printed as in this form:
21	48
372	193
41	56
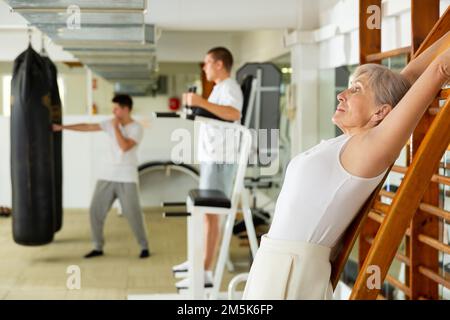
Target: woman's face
356	107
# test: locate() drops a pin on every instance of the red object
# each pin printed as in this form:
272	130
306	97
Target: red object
174	104
94	83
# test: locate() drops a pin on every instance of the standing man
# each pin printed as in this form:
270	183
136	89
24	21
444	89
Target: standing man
119	177
214	150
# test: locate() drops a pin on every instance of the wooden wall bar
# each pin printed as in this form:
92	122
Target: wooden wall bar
369	44
424	15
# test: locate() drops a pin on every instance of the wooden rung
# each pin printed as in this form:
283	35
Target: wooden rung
434	276
425	207
436	244
381	207
444	165
374	57
396	283
369	240
436	177
408	232
387	194
444	94
433	111
441	179
399	169
380	297
402	258
375	216
438	212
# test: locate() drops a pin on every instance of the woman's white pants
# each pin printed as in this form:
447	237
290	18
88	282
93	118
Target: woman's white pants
289	270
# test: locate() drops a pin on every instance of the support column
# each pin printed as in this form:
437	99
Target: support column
305	79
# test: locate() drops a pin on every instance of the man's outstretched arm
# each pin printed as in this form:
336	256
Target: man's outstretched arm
86	127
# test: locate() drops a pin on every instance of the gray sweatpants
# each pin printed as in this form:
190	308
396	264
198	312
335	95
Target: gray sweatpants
104	195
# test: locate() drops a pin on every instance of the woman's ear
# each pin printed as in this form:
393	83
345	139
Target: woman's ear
382	112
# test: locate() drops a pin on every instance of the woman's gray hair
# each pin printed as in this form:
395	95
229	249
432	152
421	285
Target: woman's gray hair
388	86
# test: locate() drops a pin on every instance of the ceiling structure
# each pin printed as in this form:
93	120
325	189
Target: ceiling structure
110	37
117	39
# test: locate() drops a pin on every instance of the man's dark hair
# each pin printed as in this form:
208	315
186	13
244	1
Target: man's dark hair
224	55
123	100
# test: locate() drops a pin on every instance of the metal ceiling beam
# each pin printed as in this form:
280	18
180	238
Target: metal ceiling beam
111	37
85	5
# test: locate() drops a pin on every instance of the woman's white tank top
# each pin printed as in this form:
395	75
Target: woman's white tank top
319	198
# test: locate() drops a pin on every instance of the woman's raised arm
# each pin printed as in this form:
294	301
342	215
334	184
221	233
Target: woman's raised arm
380	146
417	66
392	133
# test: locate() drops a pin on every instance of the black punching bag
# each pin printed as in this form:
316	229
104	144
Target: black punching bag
56	117
31	152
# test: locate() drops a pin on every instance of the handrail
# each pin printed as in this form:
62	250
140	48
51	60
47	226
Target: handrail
388	54
439	29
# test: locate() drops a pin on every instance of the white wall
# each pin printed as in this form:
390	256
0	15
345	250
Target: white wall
182	46
260	46
222	15
75	101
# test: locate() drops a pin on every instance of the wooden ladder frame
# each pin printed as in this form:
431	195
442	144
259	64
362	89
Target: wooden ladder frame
430	140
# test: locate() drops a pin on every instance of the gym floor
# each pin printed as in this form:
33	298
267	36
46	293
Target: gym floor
40	272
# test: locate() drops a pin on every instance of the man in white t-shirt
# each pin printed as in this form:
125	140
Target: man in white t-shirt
118	178
216	151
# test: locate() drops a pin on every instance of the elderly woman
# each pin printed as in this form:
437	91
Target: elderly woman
325	186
